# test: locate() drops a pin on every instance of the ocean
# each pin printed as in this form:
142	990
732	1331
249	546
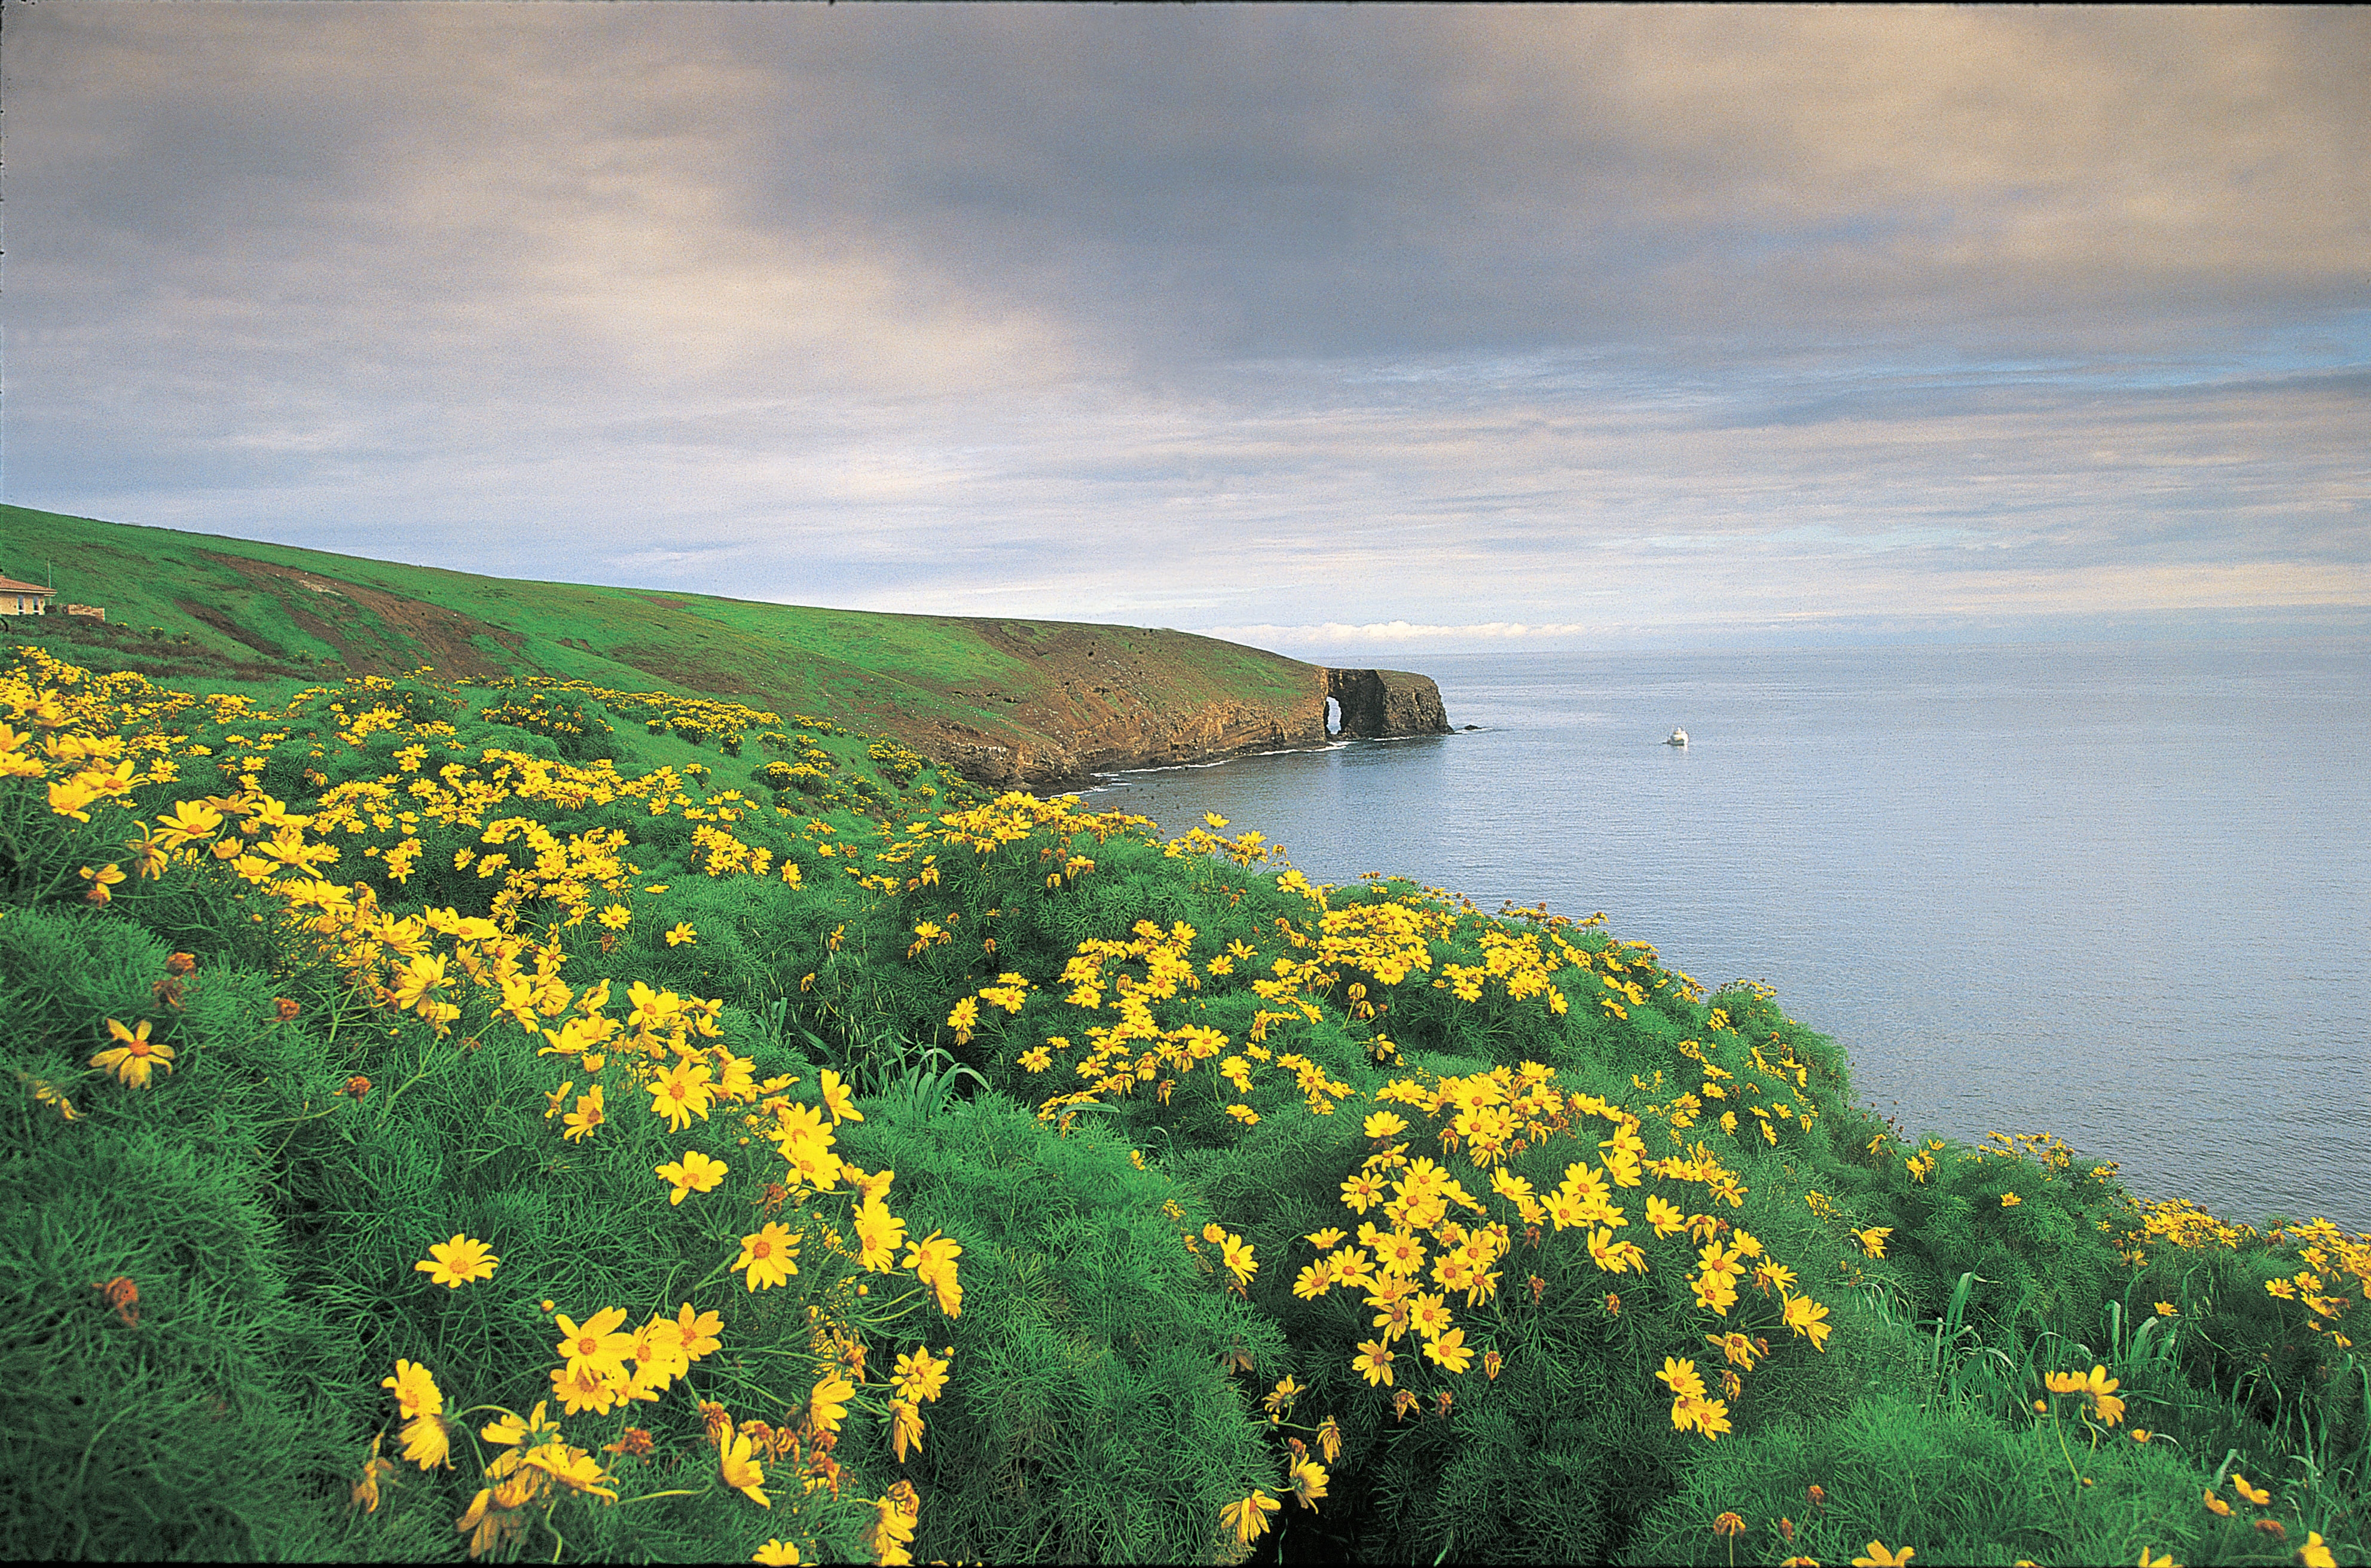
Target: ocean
2118	891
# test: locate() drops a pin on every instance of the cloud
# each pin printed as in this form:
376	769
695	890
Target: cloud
1613	320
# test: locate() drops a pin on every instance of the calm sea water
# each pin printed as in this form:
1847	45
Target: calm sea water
2121	893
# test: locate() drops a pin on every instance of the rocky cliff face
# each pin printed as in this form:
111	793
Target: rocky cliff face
1121	706
1377	703
1146	733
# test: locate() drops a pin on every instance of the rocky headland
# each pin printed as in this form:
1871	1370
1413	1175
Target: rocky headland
1110	698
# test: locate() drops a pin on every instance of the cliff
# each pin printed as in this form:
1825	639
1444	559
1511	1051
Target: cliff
1377	703
1108	698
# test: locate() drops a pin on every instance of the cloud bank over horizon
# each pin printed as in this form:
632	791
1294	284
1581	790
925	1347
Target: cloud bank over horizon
1319	329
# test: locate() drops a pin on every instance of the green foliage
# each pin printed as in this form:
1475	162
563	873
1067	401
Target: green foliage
203	1417
1136	1081
1090	1417
575	723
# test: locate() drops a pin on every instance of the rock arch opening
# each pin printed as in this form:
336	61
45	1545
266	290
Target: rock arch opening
1367	704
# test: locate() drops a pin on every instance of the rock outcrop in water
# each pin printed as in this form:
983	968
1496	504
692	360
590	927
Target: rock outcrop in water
1379	703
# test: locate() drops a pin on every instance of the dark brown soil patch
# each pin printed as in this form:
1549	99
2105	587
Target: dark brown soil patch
420	633
231	629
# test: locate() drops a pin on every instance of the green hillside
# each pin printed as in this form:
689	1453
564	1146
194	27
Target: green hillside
458	1122
196	605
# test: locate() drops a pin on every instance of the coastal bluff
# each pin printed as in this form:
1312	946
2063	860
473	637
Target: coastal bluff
1107	698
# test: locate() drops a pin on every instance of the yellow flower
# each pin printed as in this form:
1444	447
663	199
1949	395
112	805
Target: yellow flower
697	1331
2259	1497
1451	1351
596	1344
455	1263
2095	1386
904	1427
682	934
1280	1399
1807	1316
920	1376
1716	1290
1248	1519
1385	1125
427	1441
933	1259
2313	1554
1733	1346
2011	1200
68	797
2216	1506
770	1255
366	1492
1239	1263
1680	1376
136	1058
827	1404
1880	1558
1374	1363
191	821
879	1234
587	1115
681	1093
588	1387
695	1173
741	1472
510	1431
1329	1439
417	984
839	1101
890	1536
416	1392
657	1353
1307	1481
1873	1241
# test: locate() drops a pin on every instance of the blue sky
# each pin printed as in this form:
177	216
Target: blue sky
1330	330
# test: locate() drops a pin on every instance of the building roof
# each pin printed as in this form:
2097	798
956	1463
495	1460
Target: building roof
10	586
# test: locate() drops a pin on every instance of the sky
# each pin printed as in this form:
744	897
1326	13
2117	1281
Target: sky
1337	330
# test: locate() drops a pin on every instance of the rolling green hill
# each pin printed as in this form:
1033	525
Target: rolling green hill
1006	701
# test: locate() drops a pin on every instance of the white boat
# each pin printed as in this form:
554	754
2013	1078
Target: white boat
1679	738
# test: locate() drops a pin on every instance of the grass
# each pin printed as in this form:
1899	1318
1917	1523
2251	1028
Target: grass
184	604
1127	1136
